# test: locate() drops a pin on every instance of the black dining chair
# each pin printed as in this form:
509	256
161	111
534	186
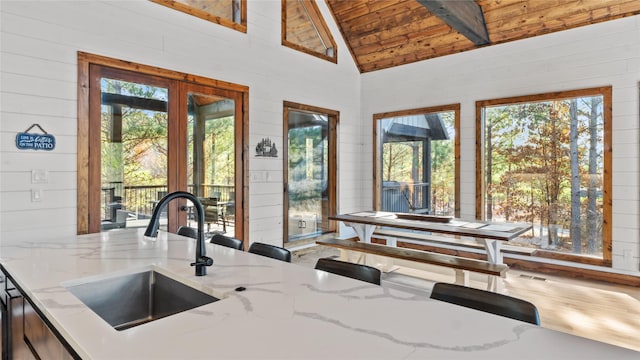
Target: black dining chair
187	231
272	251
233	243
487	301
354	271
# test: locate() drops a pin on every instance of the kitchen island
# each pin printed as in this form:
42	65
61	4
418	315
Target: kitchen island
284	312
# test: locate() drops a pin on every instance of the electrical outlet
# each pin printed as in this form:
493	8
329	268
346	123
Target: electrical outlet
36	195
258	176
39	176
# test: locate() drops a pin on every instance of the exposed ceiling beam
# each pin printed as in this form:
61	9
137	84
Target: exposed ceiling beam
463	15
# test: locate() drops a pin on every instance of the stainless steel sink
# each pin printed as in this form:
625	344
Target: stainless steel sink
129	300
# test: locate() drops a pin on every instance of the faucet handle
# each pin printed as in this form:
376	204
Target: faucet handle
203	260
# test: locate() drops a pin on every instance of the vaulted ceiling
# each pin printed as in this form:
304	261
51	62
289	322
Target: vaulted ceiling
386	33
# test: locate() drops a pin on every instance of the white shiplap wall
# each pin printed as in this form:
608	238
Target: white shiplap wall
598	55
39	44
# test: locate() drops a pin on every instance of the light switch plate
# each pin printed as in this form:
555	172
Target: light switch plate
39	176
36	195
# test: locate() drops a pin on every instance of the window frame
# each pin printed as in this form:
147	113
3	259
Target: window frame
325	34
607	226
88	172
377	179
241	26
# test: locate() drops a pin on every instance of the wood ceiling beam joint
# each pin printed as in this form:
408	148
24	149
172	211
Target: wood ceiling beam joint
465	16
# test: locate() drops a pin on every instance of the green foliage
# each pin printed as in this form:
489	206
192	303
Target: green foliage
307	154
219	151
530	166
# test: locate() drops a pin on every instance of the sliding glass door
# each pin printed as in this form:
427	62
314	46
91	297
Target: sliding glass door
134	147
211	155
148	135
310	195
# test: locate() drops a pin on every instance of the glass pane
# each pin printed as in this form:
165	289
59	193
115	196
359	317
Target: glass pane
305	27
226	9
133	152
418	163
211	160
308	154
544	166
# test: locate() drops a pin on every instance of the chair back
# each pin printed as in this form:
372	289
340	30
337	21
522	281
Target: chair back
271	251
487	301
354	271
222	240
187	231
210	206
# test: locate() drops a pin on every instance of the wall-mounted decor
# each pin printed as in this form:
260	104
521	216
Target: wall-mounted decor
33	141
266	148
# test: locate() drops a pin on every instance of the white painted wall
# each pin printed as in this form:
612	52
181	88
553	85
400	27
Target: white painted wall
598	55
39	45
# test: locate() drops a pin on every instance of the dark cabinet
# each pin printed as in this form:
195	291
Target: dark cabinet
40	337
25	334
13	345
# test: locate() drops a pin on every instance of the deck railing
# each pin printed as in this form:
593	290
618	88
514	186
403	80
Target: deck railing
140	200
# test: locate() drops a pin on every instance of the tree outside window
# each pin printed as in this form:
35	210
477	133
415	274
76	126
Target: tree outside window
543	163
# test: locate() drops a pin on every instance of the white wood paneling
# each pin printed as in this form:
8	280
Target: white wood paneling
597	55
40	41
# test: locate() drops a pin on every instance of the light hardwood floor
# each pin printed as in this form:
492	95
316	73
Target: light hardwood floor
595	310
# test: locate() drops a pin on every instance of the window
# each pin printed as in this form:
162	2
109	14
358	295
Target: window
304	29
309	171
417	168
546	160
229	13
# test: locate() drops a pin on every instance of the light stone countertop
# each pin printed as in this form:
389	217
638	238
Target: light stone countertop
287	311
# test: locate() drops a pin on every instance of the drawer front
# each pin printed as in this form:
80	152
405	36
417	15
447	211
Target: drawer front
41	339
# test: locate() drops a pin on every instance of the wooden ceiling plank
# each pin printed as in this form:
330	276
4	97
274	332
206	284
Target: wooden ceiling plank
430	36
518	8
431	22
340	7
437	45
388	16
463	15
631	7
545	21
426	53
355	9
405	33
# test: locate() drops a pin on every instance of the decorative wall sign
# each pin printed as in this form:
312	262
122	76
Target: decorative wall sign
27	141
266	148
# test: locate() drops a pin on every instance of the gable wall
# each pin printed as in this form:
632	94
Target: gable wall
597	55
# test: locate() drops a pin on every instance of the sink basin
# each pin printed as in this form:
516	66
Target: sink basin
129	300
